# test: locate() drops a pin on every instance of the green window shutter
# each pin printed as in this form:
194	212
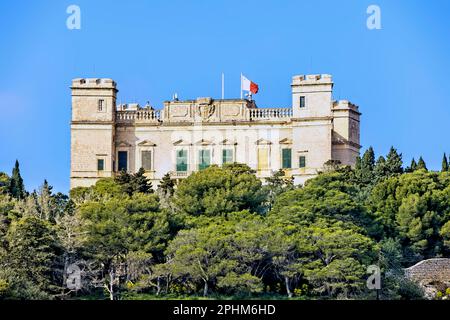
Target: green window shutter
286	158
146	159
100	164
227	156
182	160
302	162
204	159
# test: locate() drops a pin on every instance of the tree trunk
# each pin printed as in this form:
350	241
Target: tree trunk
167	284
205	289
158	286
66	265
111	284
288	290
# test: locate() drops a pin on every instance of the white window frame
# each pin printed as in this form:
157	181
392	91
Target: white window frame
139	158
117	158
299	102
174	157
197	153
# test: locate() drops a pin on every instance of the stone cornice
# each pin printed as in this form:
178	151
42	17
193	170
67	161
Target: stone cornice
309	119
193	124
92	122
347	110
349	143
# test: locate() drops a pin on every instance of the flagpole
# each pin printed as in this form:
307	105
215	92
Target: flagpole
241	85
223	86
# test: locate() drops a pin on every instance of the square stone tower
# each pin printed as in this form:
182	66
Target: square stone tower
92	130
322	129
312	123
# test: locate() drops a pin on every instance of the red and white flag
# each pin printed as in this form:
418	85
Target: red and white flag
248	85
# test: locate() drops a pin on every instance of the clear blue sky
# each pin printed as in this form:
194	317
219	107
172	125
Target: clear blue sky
399	76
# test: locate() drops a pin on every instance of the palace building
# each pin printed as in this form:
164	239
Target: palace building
190	135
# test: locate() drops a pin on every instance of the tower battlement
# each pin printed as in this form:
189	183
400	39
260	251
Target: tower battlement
93	83
312	79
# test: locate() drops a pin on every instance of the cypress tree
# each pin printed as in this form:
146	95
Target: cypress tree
380	169
421	164
394	163
368	160
444	163
16	186
413	165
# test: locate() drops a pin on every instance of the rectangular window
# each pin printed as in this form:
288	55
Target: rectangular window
204	159
123	160
100	164
302	102
182	160
146	160
302	162
100	105
263	159
286	158
227	156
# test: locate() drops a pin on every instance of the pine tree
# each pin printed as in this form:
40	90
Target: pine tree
413	166
368	159
140	183
394	163
123	179
16	186
380	169
45	202
444	163
5	182
365	174
421	164
358	163
167	185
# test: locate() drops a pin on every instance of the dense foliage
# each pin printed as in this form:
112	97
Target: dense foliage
222	232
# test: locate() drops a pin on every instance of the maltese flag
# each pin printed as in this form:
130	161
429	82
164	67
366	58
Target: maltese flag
248	85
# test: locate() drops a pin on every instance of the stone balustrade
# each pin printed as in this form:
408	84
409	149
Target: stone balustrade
270	113
138	116
154	116
179	174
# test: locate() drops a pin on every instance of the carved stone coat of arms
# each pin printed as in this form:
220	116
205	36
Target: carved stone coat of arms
206	111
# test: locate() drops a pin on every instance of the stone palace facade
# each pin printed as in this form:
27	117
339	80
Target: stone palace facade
189	135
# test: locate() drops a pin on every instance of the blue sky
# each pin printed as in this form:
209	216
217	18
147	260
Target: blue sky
399	75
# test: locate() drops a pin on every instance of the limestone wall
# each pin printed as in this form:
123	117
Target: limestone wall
430	270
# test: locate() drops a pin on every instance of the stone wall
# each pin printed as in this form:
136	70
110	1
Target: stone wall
431	270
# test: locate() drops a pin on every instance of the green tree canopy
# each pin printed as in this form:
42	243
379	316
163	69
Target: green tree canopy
412	208
215	191
31	258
